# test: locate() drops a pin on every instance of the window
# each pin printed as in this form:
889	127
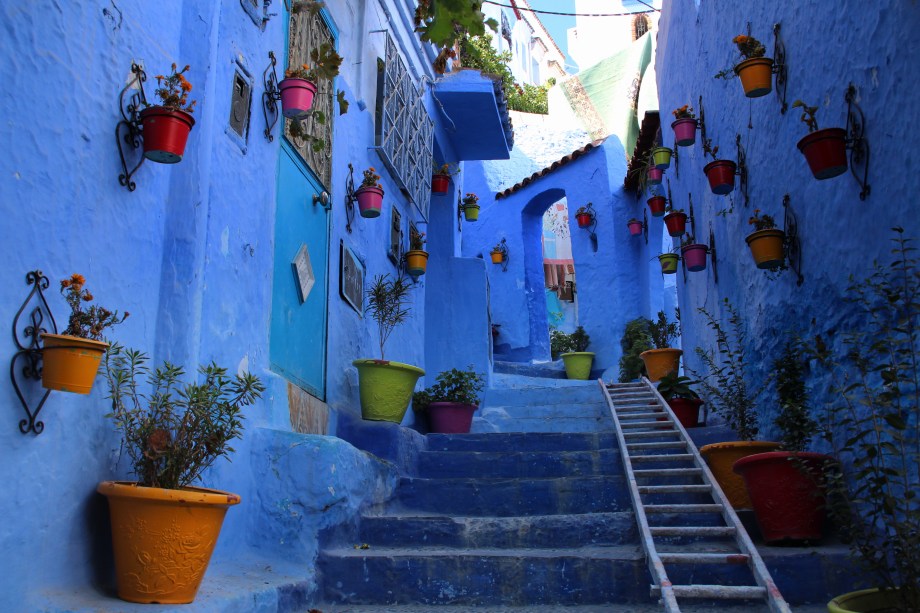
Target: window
640	26
240	96
395	250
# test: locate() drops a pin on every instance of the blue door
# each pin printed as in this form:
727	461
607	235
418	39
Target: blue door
297	348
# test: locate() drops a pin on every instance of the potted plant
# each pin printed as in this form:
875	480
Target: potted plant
166	126
370	194
653	175
635	340
497	254
440	178
471	207
657	204
572	348
451	401
386	387
786	487
416	257
164	529
755	70
694	253
635	227
71	360
721	173
675	220
668	261
725	387
683	399
765	242
300	83
871	426
684	126
824	150
584	217
663	359
662	157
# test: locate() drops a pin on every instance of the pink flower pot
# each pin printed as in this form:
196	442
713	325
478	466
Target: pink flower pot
654	176
296	97
694	256
635	227
721	175
440	184
684	132
826	152
676	221
656	205
450	417
370	201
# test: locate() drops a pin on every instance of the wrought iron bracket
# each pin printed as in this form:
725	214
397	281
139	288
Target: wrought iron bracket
792	248
350	198
502	248
701	125
128	131
676	162
712	256
780	69
29	349
271	96
645	224
857	142
742	170
691	216
592	226
459	213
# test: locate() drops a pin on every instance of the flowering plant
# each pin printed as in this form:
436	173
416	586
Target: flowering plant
444	169
173	91
749	47
91	322
684	112
416	240
582	210
808	115
761	222
371	178
497	248
470	198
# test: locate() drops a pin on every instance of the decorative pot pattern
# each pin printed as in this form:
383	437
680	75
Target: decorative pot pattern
668	263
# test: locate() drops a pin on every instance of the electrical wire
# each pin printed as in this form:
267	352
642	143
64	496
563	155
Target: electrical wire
521	8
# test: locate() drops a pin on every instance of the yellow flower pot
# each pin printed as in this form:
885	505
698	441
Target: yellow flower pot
497	257
722	456
416	261
660	362
386	388
767	247
578	364
70	363
471	211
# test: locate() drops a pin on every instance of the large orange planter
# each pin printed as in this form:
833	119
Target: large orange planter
70	363
722	456
756	76
163	539
767	247
660	362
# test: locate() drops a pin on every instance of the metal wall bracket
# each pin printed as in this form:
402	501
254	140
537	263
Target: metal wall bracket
857	142
350	198
792	248
742	170
592	225
129	129
690	215
271	96
712	256
645	224
676	162
29	349
701	124
459	213
779	68
502	248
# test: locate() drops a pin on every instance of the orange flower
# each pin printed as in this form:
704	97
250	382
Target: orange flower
65	283
77	279
740	39
87	297
184	84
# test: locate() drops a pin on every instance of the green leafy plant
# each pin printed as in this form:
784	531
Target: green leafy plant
416	240
445	22
662	331
326	64
386	303
761	222
749	47
794	422
477	52
445	168
725	384
560	342
173	91
808	115
174	430
873	425
673	385
454	385
471	199
636	339
89	322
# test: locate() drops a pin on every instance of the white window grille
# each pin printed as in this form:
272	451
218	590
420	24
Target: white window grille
404	130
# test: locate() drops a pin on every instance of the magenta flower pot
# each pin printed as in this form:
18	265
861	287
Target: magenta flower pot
654	176
370	201
296	97
450	417
694	256
684	132
635	227
721	175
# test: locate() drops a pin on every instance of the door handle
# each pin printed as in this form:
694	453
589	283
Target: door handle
322	198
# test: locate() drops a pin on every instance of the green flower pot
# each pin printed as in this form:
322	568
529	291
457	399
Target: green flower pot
578	364
661	157
386	388
864	601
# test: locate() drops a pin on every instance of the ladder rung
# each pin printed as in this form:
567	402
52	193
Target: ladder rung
648	424
626	408
683	508
711	558
662	457
666	472
660	445
643	415
650	434
692	530
672	489
725	592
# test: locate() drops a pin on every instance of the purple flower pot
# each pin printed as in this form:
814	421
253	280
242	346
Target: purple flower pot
370	201
684	132
654	176
694	256
296	97
450	417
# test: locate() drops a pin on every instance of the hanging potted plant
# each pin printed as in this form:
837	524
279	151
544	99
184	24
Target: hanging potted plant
370	194
755	70
451	401
164	529
676	221
663	359
497	254
721	173
584	217
299	86
385	386
635	227
662	157
668	261
684	126
654	175
416	257
766	242
657	204
440	178
471	207
573	349
725	387
71	360
683	400
824	150
166	126
694	253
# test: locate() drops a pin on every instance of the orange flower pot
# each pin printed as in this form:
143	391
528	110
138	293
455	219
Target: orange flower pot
70	363
722	456
756	76
497	257
416	261
767	247
660	362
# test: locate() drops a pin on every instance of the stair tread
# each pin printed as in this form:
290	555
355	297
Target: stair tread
608	552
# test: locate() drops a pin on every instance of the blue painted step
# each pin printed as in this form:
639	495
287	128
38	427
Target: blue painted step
532	464
522	441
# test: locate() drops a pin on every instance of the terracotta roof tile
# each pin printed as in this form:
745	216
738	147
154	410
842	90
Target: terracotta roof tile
542	173
648	134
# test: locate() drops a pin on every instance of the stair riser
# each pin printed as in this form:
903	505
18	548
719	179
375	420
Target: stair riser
446	464
521	441
552	411
496	423
542	396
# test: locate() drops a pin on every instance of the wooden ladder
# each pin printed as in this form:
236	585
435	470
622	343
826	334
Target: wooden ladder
651	437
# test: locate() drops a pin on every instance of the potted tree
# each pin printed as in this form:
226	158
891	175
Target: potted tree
166	126
635	340
575	355
386	387
684	126
471	207
71	360
683	399
725	387
299	86
451	401
663	359
824	150
765	242
694	253
163	528
440	178
416	257
370	194
755	70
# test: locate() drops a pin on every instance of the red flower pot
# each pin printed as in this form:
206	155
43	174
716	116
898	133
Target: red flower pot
656	205
687	411
165	133
694	256
296	97
654	176
450	417
635	227
440	184
676	222
370	201
584	220
826	152
786	493
684	132
721	175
